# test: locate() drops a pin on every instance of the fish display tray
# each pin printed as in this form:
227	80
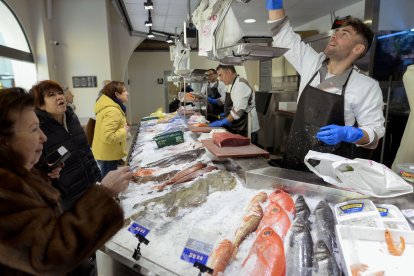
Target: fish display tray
244	151
367	246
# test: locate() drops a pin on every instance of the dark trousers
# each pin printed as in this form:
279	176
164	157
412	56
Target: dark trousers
107	166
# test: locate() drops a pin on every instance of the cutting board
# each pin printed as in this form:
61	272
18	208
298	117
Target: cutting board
244	151
206	129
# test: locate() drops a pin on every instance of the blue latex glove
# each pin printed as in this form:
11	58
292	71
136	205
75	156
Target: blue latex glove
333	134
220	123
222	115
274	4
213	101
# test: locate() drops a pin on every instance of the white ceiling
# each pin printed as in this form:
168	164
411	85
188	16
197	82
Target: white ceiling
170	14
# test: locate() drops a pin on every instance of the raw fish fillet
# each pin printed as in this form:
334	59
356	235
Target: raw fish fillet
227	139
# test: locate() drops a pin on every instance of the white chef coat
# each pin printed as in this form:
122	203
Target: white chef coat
240	94
221	89
363	96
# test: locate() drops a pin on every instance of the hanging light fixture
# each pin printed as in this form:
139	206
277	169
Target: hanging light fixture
169	40
150	34
148	23
148	5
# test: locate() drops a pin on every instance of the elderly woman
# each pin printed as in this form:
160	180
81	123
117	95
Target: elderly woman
36	237
62	128
111	127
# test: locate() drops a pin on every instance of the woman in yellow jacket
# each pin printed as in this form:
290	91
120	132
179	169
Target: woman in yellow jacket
111	127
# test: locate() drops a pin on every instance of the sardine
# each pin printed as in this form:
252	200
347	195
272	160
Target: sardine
299	253
324	263
324	225
184	157
302	209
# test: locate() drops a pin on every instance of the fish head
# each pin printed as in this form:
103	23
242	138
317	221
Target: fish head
321	205
321	251
274	209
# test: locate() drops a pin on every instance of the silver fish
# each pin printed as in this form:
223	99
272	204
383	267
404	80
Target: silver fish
184	157
187	197
299	253
324	263
302	209
324	225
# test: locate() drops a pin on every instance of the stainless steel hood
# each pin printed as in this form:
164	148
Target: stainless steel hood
239	53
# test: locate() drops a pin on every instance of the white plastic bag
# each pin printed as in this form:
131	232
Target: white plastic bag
364	176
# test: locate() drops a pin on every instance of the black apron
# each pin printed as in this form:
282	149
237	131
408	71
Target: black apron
316	108
213	110
240	125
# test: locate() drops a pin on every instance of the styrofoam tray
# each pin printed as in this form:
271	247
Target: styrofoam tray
366	245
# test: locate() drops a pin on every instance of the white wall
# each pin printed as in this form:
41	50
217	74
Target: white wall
323	24
81	27
144	68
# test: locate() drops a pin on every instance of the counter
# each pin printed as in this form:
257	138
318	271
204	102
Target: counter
215	213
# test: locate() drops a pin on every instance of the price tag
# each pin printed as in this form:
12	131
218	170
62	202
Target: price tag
196	251
141	226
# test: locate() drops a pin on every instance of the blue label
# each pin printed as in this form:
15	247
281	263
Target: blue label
352	208
135	228
192	256
383	211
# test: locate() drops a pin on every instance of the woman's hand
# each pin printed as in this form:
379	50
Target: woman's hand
55	173
117	181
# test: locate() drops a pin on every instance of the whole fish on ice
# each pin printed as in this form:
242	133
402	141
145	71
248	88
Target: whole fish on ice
285	200
275	217
299	249
324	225
302	209
221	256
324	263
266	256
250	222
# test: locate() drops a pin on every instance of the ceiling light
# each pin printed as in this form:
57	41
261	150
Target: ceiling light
250	20
169	40
148	5
150	34
148	23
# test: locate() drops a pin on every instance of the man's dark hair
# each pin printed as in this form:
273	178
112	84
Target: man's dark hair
226	67
361	29
212	70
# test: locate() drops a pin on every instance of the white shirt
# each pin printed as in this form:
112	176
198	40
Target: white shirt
363	96
221	89
240	94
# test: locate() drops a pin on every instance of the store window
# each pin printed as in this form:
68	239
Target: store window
17	66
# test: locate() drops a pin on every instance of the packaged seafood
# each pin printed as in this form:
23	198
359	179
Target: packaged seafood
358	212
366	251
406	171
392	217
